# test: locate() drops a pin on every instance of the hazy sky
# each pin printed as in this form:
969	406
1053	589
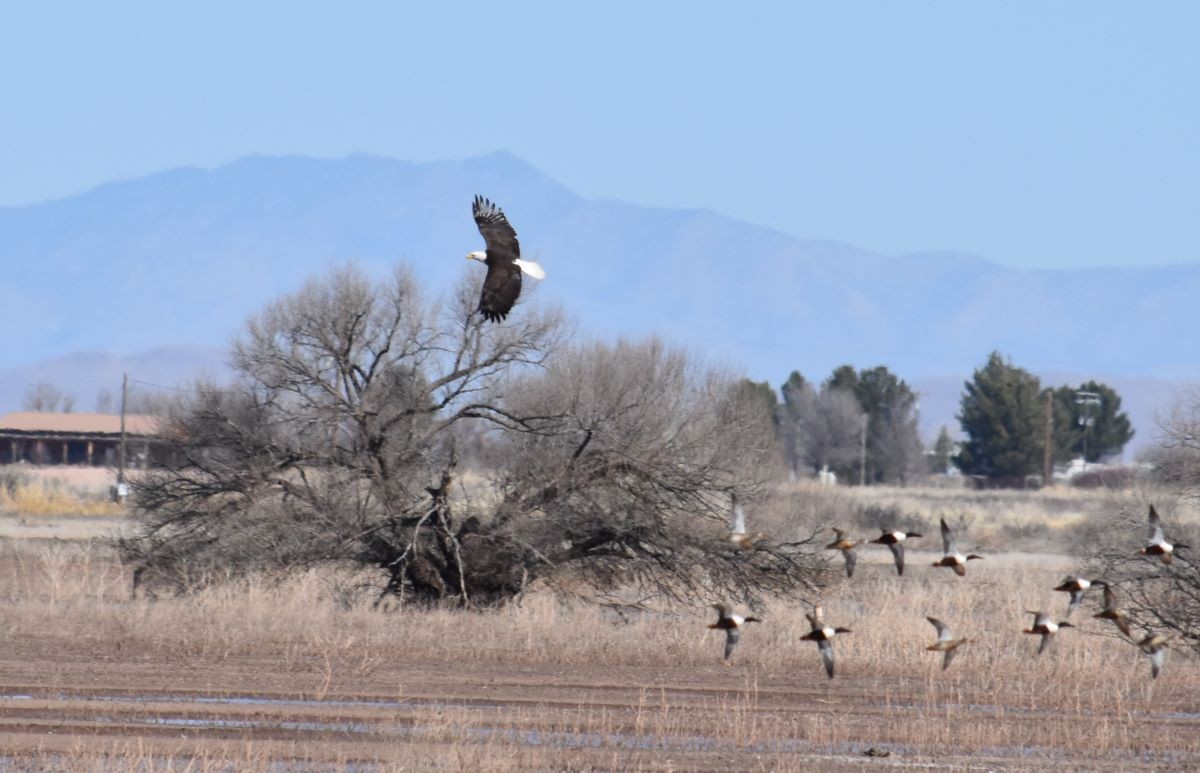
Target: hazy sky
1035	134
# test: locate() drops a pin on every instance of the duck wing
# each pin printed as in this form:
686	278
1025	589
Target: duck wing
826	647
1122	623
1076	599
897	549
737	518
1110	598
851	561
1157	657
732	635
948	546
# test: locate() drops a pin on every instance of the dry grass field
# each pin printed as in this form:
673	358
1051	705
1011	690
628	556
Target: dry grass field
50	491
307	676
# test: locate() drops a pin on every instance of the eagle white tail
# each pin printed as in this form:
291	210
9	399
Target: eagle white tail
531	268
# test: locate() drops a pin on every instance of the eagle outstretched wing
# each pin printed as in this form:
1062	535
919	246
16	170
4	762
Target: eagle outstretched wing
498	233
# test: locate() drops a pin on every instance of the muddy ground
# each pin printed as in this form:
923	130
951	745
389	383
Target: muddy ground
59	699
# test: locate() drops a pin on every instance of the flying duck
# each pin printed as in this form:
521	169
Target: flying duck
1076	586
1155	647
731	623
1045	627
1158	545
952	558
946	643
823	635
1112	611
846	546
894	539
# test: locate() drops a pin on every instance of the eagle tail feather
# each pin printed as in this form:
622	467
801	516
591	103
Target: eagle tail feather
531	268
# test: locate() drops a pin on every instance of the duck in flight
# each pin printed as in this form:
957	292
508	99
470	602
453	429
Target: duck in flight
731	623
737	527
946	643
952	558
1112	611
1045	627
823	635
846	546
1077	587
895	539
1155	647
1158	545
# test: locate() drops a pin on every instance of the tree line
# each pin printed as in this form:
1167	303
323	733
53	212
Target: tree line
862	425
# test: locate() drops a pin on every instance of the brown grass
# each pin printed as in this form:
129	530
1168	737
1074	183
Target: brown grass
557	684
1055	520
57	491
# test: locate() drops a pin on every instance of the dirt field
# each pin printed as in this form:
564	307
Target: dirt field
309	677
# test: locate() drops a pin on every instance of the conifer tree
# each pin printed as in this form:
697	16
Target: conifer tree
1002	414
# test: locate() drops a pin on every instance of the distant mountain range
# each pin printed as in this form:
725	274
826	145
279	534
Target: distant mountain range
170	265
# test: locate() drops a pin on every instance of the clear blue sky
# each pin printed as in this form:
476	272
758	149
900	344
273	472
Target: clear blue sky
1035	134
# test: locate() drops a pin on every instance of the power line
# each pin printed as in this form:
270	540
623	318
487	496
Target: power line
183	390
157	386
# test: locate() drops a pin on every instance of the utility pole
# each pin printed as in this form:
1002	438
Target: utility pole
1047	456
1087	400
121	447
862	454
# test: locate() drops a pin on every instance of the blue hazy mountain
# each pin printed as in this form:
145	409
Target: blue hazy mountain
182	257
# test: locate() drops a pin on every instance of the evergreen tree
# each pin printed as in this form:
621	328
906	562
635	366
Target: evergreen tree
1064	433
761	392
843	377
1092	429
943	450
1003	416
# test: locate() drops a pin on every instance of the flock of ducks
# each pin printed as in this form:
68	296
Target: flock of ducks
1152	644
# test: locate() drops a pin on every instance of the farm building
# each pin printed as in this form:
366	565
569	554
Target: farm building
91	439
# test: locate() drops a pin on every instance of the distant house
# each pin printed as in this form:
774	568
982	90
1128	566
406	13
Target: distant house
79	438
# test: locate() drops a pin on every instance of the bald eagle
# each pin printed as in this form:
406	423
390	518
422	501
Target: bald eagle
503	258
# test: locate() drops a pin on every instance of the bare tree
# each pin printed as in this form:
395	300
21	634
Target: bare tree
149	402
330	443
895	442
631	483
1155	593
43	398
104	401
340	442
832	430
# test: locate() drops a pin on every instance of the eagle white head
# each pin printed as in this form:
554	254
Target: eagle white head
479	255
